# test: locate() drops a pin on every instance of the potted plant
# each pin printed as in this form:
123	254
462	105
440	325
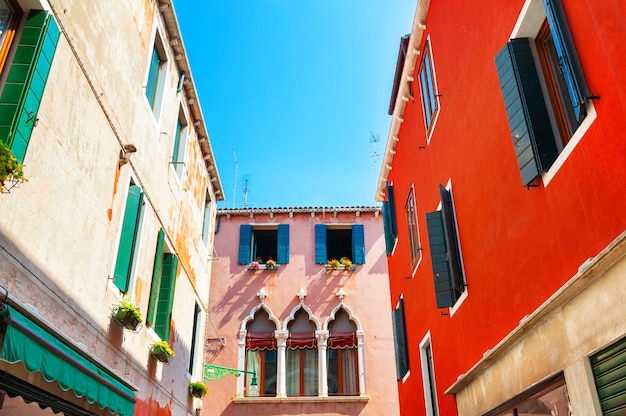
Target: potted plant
161	351
197	389
127	315
347	263
11	173
270	264
333	264
254	266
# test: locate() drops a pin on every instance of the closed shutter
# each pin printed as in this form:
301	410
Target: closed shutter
320	244
452	240
26	81
358	244
568	61
444	294
534	142
156	278
166	296
245	244
400	341
283	244
609	372
128	238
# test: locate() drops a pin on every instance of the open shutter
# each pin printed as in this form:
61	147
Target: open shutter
283	244
526	111
358	244
400	341
609	373
566	53
128	238
320	244
26	81
452	239
166	296
389	239
156	277
153	77
439	257
245	243
392	211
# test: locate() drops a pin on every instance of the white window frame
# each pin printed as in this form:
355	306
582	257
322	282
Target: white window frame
432	409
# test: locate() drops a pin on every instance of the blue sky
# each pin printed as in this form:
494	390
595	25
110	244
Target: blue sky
295	89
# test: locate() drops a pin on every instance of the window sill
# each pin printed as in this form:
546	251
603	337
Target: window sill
305	399
341	267
263	267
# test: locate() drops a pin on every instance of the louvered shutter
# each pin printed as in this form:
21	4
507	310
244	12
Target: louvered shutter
245	243
392	211
566	53
534	142
166	296
358	244
452	239
320	244
609	372
156	277
283	244
153	77
128	238
444	294
389	239
26	81
400	341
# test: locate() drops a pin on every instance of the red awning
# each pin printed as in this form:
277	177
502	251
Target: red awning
260	341
342	340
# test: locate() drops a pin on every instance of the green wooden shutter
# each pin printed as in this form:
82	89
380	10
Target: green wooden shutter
245	243
166	296
568	61
156	278
452	239
320	244
444	294
358	244
26	81
526	111
128	238
609	372
389	239
283	244
400	341
153	77
392	211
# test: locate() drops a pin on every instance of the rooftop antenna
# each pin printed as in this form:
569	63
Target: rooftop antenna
373	140
235	186
246	188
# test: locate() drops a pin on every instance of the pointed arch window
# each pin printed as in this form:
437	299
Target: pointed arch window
302	357
342	356
261	355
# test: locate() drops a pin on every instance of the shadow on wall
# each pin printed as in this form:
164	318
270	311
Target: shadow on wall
271	409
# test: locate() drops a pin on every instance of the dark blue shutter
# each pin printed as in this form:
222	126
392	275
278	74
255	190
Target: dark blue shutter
444	294
283	244
26	81
526	111
392	210
389	239
567	56
245	244
452	239
128	238
320	244
400	341
358	244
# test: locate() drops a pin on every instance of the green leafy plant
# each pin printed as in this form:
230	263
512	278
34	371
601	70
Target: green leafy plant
333	264
127	314
162	351
197	389
271	264
10	168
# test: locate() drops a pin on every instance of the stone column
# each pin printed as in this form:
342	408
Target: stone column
281	378
241	362
322	346
361	358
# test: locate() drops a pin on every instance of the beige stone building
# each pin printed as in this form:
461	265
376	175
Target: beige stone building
98	101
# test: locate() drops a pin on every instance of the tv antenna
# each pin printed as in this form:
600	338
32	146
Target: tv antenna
235	186
246	188
373	140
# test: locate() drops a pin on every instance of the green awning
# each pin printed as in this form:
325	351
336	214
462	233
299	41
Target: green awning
38	350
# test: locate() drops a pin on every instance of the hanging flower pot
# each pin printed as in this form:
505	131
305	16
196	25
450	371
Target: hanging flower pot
127	315
197	389
11	173
161	351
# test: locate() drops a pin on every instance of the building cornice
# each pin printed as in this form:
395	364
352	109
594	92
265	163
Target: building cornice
297	210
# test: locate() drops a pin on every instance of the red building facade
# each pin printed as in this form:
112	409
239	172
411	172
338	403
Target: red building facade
504	190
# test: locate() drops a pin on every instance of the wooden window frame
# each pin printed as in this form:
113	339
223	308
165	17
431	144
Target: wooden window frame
428	89
340	371
415	250
9	36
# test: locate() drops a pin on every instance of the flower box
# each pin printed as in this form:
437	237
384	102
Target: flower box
127	315
197	389
162	352
11	172
343	264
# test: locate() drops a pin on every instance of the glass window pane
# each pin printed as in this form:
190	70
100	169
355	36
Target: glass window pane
552	403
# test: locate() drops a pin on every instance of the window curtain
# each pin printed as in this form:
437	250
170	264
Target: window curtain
301	362
349	364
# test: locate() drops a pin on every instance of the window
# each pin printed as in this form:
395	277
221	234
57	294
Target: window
162	288
264	241
400	342
129	237
389	221
414	234
27	75
180	143
428	376
156	76
336	241
302	357
547	398
206	221
197	317
546	101
428	89
261	356
609	374
342	361
445	253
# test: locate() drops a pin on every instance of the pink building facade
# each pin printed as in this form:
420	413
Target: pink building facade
313	335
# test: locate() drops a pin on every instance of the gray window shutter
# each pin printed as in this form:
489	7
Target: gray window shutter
400	341
526	111
452	239
444	293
